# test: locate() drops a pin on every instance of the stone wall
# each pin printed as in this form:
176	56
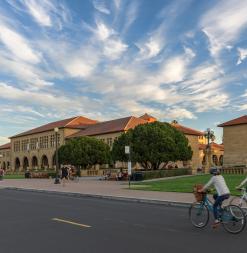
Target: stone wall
195	161
235	144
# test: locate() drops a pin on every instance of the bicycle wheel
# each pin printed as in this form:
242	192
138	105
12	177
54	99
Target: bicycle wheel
199	215
242	203
233	219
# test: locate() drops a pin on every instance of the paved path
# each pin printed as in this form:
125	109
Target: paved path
99	188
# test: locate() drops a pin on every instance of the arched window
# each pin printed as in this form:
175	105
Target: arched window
25	163
221	160
34	162
17	164
215	160
44	162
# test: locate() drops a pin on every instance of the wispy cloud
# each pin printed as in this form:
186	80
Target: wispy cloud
4	140
242	52
223	24
100	5
153	44
46	13
18	45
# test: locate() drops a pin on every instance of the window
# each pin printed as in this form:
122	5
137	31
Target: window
17	146
53	140
109	141
43	142
33	143
25	145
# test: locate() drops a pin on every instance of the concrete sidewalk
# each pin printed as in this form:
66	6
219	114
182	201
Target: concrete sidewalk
100	189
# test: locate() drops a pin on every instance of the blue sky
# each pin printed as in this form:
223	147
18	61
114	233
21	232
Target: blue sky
183	60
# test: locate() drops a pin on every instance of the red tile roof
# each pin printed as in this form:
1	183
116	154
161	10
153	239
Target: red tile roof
148	117
6	146
111	126
74	122
186	130
237	121
213	145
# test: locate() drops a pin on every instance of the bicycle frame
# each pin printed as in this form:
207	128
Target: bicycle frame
244	194
209	204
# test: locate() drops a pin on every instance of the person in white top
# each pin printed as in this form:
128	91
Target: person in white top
244	182
222	190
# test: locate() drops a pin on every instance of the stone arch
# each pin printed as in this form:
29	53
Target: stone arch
44	162
34	162
221	160
215	159
25	163
17	164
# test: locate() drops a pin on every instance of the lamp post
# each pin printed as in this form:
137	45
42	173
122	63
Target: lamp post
127	151
209	134
57	181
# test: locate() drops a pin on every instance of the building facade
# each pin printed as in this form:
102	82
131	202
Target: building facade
5	156
35	149
235	142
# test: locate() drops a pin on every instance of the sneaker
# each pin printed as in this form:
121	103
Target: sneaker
216	224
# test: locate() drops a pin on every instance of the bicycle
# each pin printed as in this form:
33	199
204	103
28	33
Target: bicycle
241	201
232	217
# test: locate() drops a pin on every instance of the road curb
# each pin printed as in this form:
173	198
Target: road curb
109	197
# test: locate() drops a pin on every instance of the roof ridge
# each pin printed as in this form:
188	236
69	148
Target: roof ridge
76	117
131	117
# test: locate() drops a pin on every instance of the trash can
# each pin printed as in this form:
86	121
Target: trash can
27	174
138	176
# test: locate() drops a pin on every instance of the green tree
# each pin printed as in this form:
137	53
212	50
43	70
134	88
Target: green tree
153	145
84	152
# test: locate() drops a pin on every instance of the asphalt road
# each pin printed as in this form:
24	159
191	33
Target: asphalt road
91	225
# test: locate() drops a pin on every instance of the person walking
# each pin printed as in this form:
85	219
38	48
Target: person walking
65	174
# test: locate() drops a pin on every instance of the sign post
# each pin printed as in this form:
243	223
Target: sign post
127	151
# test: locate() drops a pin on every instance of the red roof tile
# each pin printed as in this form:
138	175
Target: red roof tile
6	146
111	126
186	130
75	122
213	145
237	121
148	117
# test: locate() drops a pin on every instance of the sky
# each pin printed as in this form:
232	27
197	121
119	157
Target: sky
183	60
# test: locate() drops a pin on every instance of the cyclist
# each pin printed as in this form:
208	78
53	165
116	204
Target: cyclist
222	190
244	182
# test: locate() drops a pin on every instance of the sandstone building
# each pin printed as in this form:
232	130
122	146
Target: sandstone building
35	148
235	142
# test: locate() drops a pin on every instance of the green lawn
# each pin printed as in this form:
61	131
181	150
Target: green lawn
13	176
186	184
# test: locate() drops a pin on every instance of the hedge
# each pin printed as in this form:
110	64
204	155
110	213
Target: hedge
165	173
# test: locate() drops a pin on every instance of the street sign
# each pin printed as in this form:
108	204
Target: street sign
129	168
127	149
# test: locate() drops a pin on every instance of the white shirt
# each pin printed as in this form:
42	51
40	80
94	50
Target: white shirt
219	183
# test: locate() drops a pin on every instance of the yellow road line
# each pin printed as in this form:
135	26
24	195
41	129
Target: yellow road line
71	222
